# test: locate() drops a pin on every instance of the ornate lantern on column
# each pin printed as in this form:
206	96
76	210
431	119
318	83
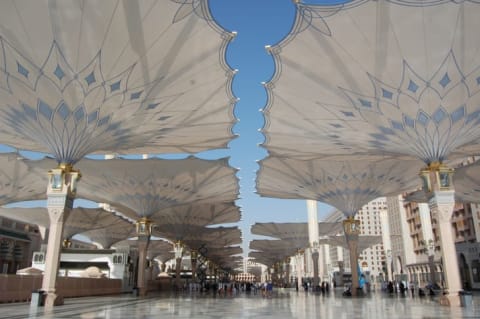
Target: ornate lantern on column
56	179
67	243
351	226
436	176
144	227
178	249
63	175
193	256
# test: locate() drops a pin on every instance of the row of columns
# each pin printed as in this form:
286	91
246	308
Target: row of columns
61	193
441	201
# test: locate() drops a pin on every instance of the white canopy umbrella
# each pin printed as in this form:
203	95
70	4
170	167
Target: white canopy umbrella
110	77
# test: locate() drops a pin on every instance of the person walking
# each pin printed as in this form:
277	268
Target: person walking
411	286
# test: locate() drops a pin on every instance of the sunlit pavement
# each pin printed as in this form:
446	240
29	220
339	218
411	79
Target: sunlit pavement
283	304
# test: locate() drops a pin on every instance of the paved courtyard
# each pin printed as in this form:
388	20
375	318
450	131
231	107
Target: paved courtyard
283	304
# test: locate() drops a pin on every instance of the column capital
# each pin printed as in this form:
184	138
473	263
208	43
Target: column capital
442	204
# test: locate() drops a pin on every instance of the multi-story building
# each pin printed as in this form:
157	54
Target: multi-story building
370	224
18	241
424	263
401	251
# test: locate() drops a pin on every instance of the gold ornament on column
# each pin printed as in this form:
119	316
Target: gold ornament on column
63	175
67	243
144	226
351	226
193	255
436	177
178	249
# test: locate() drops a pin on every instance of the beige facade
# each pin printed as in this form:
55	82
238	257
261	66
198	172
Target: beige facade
17	243
424	264
370	222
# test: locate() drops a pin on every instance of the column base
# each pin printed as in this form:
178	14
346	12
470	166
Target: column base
451	300
52	300
142	291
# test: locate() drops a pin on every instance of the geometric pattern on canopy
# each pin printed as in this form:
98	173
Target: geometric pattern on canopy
19	182
346	185
109	76
372	77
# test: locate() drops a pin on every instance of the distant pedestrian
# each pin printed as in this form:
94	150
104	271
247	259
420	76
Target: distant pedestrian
411	286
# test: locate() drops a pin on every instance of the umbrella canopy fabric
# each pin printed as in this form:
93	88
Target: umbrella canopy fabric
110	235
197	236
364	241
109	76
466	181
266	258
160	250
373	77
143	187
204	214
294	230
347	185
79	221
18	181
283	247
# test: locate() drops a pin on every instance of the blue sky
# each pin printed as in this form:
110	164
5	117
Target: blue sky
257	23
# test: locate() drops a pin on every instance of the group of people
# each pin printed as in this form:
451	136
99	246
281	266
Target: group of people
402	288
323	287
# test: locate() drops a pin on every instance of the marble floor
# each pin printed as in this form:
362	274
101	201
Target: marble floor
283	304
